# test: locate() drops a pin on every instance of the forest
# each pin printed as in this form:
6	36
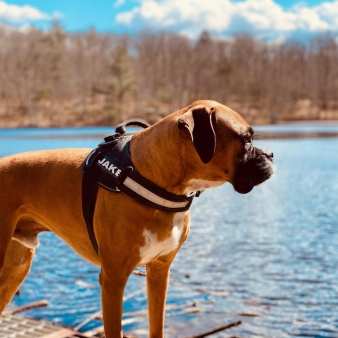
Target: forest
57	78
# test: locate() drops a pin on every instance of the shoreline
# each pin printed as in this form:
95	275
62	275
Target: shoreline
261	135
294	135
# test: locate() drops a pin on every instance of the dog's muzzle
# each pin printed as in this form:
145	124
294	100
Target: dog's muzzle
253	170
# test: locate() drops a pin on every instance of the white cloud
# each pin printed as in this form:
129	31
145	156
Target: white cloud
16	14
222	17
329	12
119	3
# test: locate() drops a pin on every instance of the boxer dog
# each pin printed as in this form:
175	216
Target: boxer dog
201	146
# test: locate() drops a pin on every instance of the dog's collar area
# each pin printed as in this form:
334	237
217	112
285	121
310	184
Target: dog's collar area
110	166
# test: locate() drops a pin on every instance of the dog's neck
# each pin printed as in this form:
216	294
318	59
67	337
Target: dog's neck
156	156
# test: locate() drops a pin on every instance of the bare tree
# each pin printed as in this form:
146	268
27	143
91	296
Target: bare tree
58	78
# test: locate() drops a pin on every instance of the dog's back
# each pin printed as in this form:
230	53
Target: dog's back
36	194
34	177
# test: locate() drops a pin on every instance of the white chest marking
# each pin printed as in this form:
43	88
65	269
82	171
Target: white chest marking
153	248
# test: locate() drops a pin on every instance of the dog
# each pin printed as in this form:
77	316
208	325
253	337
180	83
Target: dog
201	146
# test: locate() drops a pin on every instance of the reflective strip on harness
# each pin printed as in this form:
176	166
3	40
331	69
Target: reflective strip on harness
145	193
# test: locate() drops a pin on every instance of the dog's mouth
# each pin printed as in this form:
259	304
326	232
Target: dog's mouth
256	169
243	189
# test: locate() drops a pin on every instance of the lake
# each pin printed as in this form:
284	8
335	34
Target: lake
274	251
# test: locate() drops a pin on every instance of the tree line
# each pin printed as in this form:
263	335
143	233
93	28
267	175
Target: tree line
57	78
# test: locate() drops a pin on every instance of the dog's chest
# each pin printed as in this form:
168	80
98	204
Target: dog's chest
154	248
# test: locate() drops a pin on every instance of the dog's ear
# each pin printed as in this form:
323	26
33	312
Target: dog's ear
199	123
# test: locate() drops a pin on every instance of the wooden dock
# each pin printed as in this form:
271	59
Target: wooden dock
13	326
21	327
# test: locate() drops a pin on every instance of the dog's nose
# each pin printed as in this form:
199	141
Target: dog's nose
269	154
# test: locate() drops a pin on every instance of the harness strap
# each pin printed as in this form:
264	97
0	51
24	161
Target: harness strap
89	195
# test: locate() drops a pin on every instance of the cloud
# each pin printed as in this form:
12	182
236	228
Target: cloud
264	18
119	3
19	14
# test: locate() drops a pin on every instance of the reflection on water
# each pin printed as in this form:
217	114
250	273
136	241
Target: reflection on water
274	250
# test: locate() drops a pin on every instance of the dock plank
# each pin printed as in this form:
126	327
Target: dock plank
18	327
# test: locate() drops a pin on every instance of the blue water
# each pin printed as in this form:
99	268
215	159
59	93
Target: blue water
27	139
274	251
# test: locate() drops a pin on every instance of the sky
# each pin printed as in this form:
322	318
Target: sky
266	19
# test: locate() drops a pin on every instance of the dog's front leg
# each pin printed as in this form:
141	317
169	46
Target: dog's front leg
112	286
157	285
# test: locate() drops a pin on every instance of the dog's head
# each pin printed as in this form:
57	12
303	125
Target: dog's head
223	146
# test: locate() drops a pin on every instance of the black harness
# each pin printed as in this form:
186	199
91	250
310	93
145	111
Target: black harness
110	166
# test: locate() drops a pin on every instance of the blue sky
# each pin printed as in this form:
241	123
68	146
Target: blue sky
265	18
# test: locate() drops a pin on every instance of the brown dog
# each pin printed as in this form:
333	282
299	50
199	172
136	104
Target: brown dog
203	145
